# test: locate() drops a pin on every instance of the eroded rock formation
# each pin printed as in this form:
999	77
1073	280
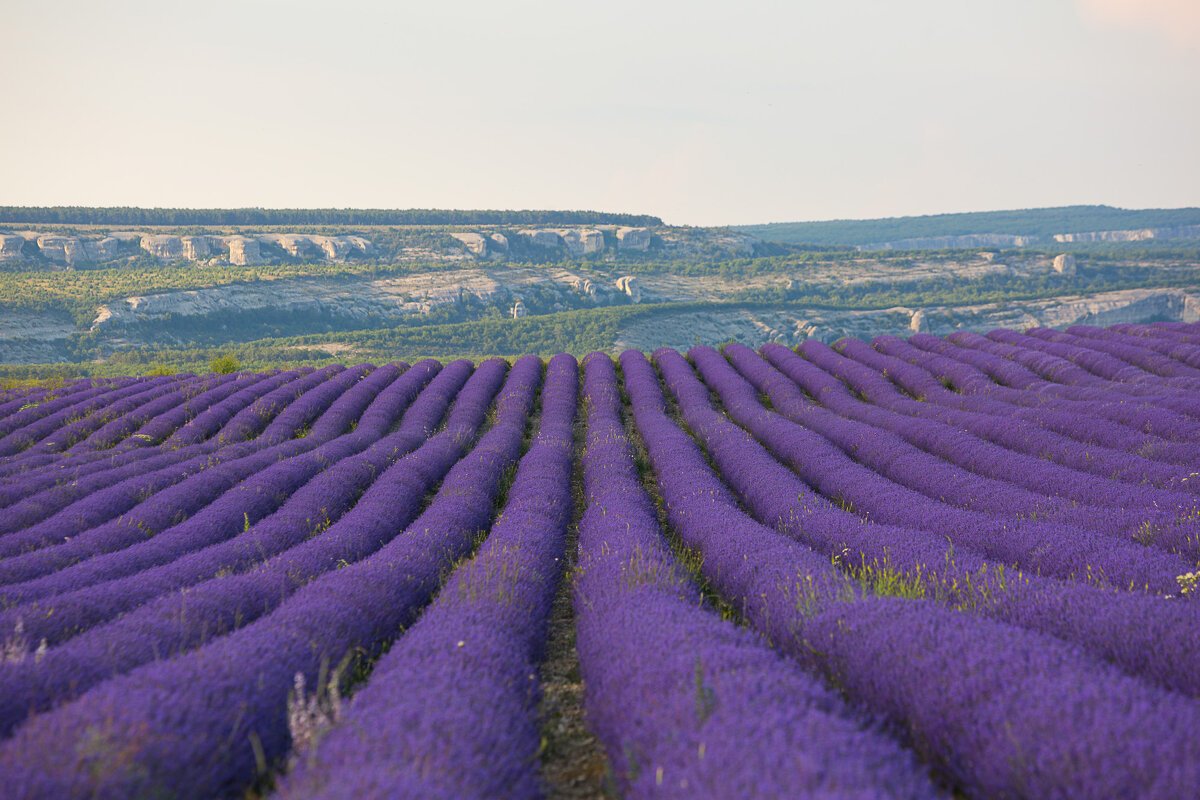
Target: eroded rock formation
1064	264
243	251
633	238
631	286
11	247
163	246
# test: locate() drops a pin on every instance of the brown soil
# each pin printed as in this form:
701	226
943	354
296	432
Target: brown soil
573	763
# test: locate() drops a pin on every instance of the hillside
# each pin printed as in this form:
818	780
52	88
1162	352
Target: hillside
1007	228
98	299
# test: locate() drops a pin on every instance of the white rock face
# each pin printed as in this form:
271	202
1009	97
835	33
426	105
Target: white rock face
475	243
919	324
61	249
583	285
98	250
163	246
518	310
72	250
542	238
498	242
335	248
633	238
358	243
630	286
243	251
946	242
1064	264
10	247
294	244
1138	235
303	245
195	247
582	242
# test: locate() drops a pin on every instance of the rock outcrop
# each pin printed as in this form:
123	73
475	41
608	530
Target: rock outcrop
542	238
304	245
100	250
518	310
163	246
631	286
11	247
476	243
952	242
243	251
71	250
294	244
633	239
197	247
1064	264
60	249
918	323
1139	235
578	241
582	241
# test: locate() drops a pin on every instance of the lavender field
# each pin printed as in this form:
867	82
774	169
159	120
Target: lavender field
935	567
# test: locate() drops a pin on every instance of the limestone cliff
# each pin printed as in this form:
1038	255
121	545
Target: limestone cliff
11	247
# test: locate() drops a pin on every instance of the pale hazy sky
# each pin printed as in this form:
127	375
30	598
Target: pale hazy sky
700	112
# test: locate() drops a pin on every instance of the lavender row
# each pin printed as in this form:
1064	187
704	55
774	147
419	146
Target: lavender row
306	408
974	390
1119	375
148	402
1004	711
685	703
220	594
21	398
1152	638
1182	353
27	435
1048	374
1052	549
895	459
216	415
472	729
1159	409
1114	356
167	406
1179	409
31	466
976	455
231	696
57	500
79	606
27	413
137	455
314	507
252	420
1182	332
260	494
866	373
132	509
1129	349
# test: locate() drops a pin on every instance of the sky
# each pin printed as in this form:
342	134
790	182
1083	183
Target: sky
700	112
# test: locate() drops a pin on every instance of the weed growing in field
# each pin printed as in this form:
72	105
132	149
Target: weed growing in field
15	648
310	717
706	696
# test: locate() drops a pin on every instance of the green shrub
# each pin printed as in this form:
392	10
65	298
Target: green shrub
224	364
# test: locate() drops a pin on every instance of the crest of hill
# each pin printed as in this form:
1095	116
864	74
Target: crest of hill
1034	224
131	216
